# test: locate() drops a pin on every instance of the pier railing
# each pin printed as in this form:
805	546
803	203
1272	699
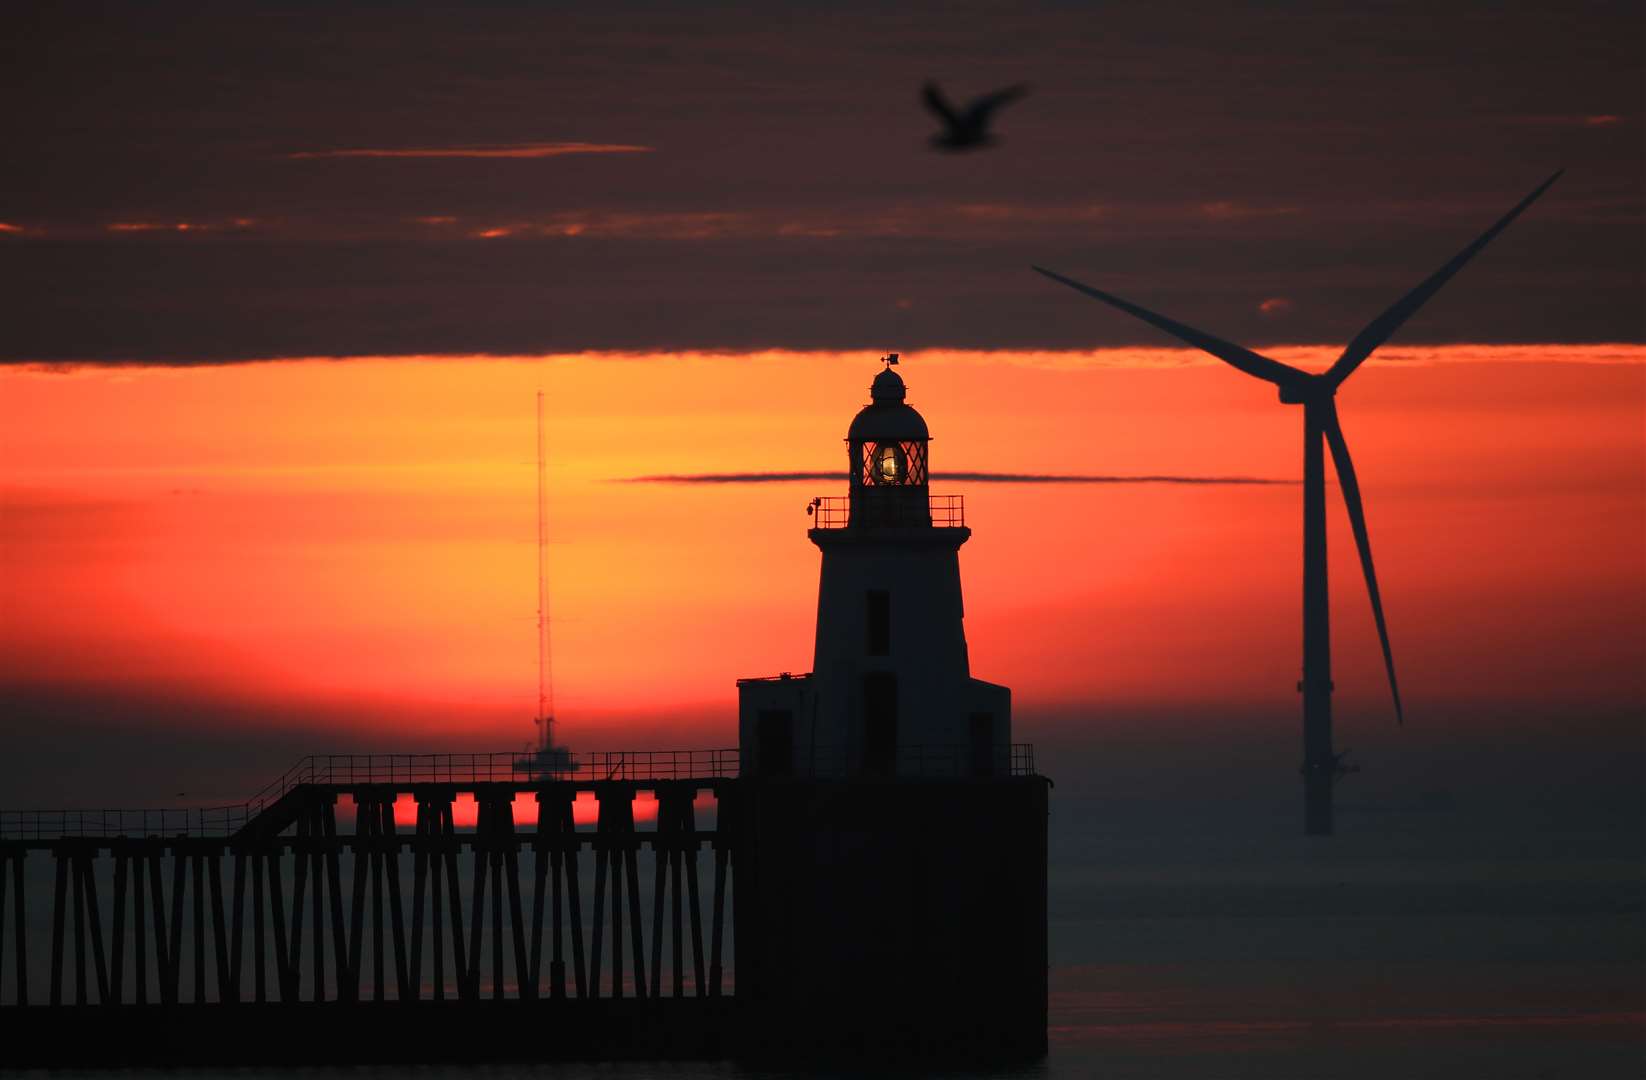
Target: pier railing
171	821
383	769
520	768
493	768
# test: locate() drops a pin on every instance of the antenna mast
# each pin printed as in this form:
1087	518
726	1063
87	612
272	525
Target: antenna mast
545	670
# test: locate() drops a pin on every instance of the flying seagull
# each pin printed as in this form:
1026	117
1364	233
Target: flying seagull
1316	393
967	130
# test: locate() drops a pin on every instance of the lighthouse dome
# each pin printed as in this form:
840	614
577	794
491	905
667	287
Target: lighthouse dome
887	418
888	386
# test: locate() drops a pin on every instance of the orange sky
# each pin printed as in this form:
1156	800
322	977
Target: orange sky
363	530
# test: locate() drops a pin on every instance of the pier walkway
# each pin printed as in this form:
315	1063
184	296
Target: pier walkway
391	908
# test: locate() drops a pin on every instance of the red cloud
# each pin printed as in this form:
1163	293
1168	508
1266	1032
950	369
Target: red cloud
1578	120
520	150
1275	306
179	226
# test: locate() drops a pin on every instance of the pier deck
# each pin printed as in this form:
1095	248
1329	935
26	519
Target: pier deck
345	914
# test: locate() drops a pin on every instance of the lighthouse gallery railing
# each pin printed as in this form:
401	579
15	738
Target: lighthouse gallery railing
885	509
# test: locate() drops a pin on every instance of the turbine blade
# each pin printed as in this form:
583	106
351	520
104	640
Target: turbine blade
1357	521
1234	355
1381	328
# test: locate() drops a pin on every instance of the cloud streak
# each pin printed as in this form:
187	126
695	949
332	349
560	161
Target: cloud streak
900	221
239	224
1229	210
516	151
1581	120
965	477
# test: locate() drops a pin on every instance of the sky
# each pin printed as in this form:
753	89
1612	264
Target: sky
280	285
189	183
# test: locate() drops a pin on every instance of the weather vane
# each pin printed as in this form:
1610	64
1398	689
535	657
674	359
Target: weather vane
890	360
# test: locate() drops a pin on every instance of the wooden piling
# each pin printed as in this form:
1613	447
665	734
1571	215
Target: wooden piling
59	899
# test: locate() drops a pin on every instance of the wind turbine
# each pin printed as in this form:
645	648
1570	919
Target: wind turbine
1317	394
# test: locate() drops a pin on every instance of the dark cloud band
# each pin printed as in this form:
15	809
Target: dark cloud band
966	477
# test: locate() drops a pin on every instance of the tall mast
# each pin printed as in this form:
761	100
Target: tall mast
545	670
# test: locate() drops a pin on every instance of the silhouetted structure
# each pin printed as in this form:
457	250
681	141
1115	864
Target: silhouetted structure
967	129
1322	766
891	692
895	838
313	915
548	757
886	897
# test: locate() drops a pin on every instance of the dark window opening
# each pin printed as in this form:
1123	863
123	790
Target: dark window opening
774	742
890	464
880	622
982	744
880	723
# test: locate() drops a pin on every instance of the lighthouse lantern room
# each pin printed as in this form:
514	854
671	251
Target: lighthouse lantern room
890	693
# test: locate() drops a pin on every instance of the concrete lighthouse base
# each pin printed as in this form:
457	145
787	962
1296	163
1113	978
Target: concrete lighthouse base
899	917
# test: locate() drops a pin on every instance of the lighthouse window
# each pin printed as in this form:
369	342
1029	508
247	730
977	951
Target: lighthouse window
914	462
891	465
880	622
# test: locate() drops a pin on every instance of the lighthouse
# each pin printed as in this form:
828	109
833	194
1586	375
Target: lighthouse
890	693
890	839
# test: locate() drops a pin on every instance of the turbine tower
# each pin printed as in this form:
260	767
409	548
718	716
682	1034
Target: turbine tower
1317	394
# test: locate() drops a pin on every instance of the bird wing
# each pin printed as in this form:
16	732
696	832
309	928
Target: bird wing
1357	522
937	103
983	106
1379	329
1235	355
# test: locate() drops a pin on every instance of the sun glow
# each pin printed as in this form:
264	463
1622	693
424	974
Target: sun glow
366	530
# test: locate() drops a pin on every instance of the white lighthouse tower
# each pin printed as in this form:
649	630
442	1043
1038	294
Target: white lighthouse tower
890	693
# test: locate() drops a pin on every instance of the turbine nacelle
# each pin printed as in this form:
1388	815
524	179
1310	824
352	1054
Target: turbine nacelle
1306	389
